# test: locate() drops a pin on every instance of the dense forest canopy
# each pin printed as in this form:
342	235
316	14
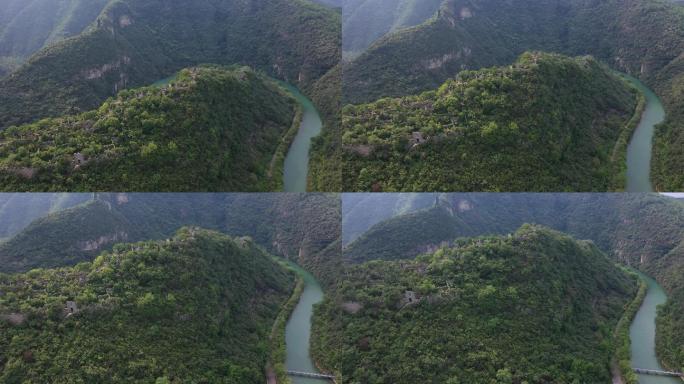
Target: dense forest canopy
546	123
644	231
197	307
210	129
644	38
129	44
535	306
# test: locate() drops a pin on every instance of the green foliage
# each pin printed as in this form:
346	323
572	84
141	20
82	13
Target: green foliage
196	308
535	307
547	123
642	37
212	128
641	230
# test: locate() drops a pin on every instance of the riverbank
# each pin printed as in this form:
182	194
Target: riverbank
619	156
643	334
640	148
621	366
276	372
276	169
296	163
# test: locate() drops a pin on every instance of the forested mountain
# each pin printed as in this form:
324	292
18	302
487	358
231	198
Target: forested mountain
642	37
195	308
536	306
26	26
640	230
360	211
364	21
136	43
18	210
300	227
213	128
546	123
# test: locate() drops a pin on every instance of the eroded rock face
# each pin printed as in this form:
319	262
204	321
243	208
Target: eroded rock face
125	21
96	73
352	307
96	244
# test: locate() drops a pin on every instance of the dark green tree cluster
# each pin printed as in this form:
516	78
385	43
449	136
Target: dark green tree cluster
536	306
195	308
212	128
547	123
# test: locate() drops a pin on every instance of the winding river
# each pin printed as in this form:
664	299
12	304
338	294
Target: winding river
640	147
298	330
642	334
296	166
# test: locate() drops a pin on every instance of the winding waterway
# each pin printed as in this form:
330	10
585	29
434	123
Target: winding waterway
642	334
296	166
640	147
298	330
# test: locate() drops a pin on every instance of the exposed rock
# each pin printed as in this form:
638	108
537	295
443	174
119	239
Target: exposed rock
125	21
25	172
93	245
466	13
352	307
121	198
438	62
71	308
464	205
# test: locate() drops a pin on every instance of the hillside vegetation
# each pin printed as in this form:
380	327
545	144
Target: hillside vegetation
18	210
644	38
535	307
364	21
546	123
300	227
26	26
643	231
196	308
212	128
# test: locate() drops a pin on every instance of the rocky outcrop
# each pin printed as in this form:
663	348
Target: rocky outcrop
96	244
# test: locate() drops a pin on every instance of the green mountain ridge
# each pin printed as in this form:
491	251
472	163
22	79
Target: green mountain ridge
211	128
643	231
26	26
196	308
536	306
299	227
546	123
644	38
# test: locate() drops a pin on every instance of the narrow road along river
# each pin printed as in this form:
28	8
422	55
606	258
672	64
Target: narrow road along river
298	330
642	335
640	147
296	166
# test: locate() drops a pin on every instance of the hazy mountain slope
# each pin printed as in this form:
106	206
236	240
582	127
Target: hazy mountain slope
18	210
546	123
360	211
364	21
26	26
135	43
296	226
534	307
213	128
196	308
